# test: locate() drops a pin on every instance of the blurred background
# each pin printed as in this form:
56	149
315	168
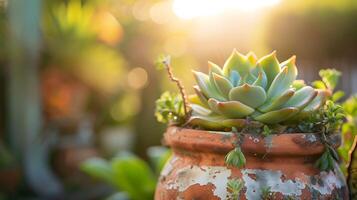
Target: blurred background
78	79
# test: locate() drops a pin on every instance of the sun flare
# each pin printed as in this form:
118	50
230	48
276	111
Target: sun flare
188	9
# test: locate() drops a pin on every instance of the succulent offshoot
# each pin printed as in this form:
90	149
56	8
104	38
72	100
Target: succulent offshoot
264	90
235	158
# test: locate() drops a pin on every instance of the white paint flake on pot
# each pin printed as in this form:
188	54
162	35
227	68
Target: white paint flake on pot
202	175
330	181
269	179
256	180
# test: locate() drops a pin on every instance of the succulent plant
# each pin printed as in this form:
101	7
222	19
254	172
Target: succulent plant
246	90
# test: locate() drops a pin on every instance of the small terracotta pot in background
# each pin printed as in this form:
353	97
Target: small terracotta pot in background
285	169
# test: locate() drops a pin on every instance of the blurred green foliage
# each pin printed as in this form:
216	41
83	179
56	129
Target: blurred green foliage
349	131
129	173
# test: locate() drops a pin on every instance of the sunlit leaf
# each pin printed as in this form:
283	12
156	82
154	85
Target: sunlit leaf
276	116
230	109
282	81
236	62
222	84
270	65
252	96
301	98
278	102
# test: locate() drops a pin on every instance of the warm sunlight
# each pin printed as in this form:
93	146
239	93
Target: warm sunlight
188	9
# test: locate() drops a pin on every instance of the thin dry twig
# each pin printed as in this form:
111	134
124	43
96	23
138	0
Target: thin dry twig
179	84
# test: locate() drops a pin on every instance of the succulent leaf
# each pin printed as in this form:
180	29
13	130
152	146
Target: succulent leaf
302	97
277	116
230	109
214	68
289	62
236	62
206	87
235	78
199	110
250	95
282	81
270	65
249	78
252	58
222	84
261	80
210	123
278	102
201	96
318	101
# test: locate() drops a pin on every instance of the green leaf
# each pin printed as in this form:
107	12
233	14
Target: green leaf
330	77
230	109
337	95
317	102
235	78
99	168
261	80
249	78
289	62
200	95
207	89
252	96
214	68
301	98
277	116
199	110
270	65
278	102
235	158
319	85
222	84
298	84
207	122
134	176
236	62
282	82
252	58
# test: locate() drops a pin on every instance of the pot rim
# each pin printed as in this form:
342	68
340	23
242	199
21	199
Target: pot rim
289	144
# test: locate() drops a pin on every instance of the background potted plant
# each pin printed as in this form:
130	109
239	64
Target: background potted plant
252	131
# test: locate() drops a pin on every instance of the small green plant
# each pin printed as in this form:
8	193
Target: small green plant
234	187
267	194
329	81
128	173
170	109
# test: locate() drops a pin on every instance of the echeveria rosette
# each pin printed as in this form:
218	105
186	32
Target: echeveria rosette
263	91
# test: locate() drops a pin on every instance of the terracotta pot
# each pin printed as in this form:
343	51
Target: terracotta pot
284	170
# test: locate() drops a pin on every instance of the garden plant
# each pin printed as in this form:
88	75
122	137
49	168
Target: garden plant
253	131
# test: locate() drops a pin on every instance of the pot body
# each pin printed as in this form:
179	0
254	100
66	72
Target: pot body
277	167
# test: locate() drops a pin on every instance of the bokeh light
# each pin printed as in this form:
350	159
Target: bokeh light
137	78
187	9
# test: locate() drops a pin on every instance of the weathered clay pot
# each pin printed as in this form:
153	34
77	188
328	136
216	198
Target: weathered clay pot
286	169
